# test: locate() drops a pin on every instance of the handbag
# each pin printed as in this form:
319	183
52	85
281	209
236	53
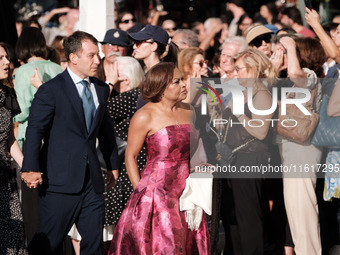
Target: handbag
305	124
327	132
121	146
225	155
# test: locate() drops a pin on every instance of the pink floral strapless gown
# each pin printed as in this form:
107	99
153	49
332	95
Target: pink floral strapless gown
151	222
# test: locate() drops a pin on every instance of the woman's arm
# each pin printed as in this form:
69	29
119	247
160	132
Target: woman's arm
333	108
259	124
312	18
294	69
14	148
138	130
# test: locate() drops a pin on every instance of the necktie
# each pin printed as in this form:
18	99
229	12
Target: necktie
88	104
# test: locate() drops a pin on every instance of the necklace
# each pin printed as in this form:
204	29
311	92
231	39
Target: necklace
177	124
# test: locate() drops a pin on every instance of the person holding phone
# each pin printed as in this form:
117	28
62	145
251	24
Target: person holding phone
291	17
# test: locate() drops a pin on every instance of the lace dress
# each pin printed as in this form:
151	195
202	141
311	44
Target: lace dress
11	221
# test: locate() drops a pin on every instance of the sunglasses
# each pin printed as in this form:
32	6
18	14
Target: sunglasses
170	29
139	43
201	63
257	42
128	20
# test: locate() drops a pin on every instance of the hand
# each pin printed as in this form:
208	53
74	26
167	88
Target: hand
111	72
288	43
35	79
312	18
277	58
112	177
217	28
162	13
32	179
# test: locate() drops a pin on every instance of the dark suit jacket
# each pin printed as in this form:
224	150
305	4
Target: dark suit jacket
57	117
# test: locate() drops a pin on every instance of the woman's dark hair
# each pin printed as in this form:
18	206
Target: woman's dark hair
156	81
31	43
53	55
9	80
294	14
271	6
172	54
160	49
239	22
31	21
121	15
312	54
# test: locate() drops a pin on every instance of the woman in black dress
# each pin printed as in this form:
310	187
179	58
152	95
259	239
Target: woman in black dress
12	239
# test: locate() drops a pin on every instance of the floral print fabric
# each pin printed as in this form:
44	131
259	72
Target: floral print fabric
151	222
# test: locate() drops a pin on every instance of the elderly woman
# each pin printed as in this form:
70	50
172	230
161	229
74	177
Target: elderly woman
12	232
129	75
250	67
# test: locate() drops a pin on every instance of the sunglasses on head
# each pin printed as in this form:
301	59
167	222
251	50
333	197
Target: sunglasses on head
128	20
257	42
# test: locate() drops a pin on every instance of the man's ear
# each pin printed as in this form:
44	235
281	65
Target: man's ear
73	58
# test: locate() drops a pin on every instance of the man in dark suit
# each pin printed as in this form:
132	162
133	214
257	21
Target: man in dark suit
69	113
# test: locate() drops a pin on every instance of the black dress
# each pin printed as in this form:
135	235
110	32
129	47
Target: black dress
121	109
11	222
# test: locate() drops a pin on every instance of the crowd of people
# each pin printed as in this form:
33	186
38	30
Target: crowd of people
103	145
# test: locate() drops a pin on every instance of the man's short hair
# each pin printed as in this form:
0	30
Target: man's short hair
73	43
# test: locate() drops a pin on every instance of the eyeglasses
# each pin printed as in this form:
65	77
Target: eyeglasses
238	68
170	29
133	20
257	42
201	63
139	43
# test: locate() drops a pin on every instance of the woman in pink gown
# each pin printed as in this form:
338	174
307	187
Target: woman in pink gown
151	222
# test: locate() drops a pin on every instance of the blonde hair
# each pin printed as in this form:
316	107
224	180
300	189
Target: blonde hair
256	60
